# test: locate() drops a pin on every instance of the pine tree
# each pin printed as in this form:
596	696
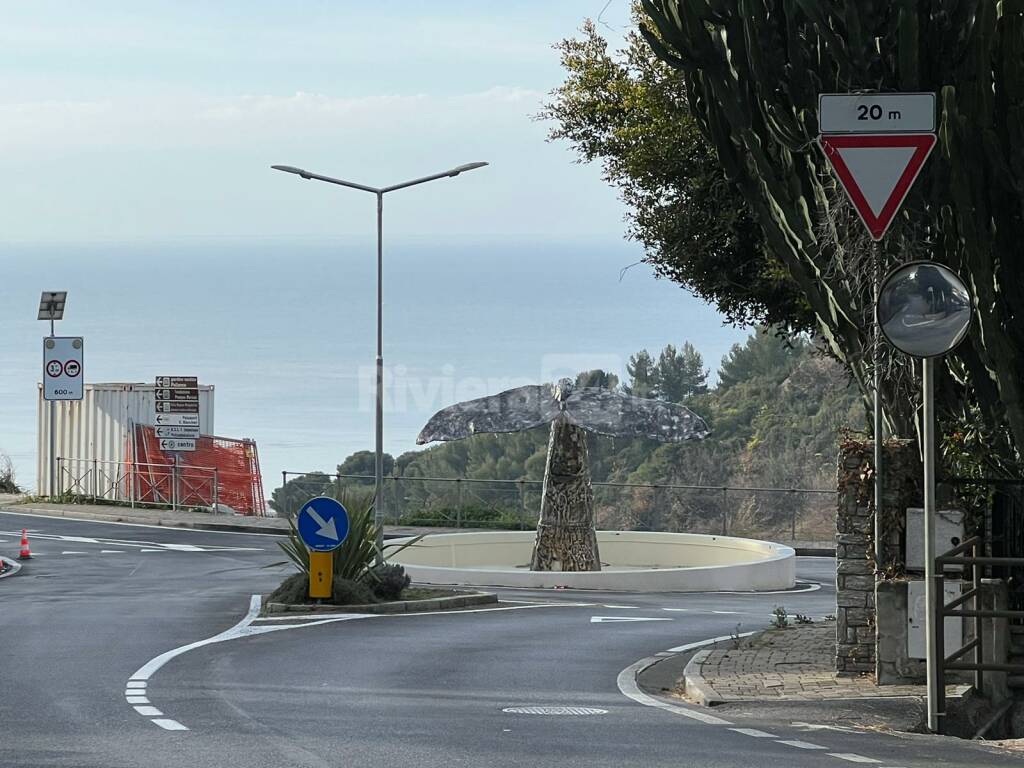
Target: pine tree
641	375
680	374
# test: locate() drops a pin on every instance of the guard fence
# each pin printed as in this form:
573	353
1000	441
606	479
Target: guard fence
175	485
780	514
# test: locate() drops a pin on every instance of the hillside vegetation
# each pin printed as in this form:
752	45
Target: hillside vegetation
775	416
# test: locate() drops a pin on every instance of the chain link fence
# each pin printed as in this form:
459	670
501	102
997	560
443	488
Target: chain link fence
778	514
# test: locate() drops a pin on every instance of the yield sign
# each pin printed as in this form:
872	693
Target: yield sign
877	171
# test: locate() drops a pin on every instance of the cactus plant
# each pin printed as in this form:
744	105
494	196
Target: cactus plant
754	70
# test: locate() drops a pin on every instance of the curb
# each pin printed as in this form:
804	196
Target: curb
8	567
159	522
815	551
399	606
694	683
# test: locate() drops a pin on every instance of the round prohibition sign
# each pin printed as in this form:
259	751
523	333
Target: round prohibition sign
54	368
72	368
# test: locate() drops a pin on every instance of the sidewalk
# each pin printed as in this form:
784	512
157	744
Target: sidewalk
179	518
795	663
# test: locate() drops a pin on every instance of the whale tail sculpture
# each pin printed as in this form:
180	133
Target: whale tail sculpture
565	530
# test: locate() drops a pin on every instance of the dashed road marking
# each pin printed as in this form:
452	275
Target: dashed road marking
800	744
149	711
615	619
853	758
169	725
73	552
111	552
137	700
754	733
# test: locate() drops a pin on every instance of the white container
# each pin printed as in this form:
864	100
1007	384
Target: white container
98	426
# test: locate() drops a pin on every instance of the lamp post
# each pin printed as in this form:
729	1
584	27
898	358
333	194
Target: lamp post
378	492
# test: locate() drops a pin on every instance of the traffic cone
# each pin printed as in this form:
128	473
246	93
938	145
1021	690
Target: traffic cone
25	553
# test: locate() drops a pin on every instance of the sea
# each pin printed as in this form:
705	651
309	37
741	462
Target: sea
286	330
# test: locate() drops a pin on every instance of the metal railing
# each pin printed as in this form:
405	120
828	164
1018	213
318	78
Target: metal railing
463	502
976	560
138	483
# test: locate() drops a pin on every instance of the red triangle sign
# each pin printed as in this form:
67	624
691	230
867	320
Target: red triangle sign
877	171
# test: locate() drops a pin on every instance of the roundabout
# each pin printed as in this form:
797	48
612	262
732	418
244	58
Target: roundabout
632	561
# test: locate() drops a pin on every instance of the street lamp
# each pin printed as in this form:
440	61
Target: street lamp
378	496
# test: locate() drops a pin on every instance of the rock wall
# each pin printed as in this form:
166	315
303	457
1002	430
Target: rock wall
856	631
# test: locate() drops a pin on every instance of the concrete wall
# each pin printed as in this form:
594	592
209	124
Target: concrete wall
631	560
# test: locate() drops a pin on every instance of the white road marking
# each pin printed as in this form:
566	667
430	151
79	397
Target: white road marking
310	616
153	550
242	629
727	613
754	732
183	547
137	700
111	552
619	619
626	682
73	552
679	610
709	641
135	684
623	607
169	725
800	744
79	539
149	711
853	758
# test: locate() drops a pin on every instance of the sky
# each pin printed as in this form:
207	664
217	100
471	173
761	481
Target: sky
156	120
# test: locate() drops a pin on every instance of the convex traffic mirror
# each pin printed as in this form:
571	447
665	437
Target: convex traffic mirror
924	309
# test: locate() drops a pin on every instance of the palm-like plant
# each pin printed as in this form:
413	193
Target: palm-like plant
355	557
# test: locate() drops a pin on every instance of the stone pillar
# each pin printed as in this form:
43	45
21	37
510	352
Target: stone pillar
856	631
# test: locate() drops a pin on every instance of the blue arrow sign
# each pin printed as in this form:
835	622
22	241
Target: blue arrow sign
322	524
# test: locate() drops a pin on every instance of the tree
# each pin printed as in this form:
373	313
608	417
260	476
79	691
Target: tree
631	112
753	72
597	378
641	375
364	463
679	375
287	499
763	354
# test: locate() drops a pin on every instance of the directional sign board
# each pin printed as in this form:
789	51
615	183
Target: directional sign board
62	368
178	420
877	144
176	444
176	406
322	524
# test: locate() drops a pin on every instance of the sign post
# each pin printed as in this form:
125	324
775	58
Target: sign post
877	144
323	526
63	374
176	417
924	309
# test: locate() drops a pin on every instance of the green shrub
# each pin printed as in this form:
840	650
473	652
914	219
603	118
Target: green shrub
347	592
358	552
387	581
293	590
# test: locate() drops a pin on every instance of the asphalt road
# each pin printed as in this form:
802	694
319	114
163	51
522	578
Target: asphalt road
90	613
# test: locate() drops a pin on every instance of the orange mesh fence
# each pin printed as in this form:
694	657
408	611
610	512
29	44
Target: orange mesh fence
220	471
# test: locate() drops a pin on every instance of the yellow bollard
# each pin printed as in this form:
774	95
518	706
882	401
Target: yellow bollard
321	574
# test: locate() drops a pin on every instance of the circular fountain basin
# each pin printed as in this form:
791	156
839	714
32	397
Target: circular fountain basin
632	561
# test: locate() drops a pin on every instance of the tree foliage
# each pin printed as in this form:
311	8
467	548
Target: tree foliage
631	112
752	73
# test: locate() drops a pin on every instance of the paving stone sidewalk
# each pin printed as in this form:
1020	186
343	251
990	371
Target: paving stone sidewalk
795	663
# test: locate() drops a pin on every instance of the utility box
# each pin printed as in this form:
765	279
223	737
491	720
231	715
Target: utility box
99	427
949	531
953	625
